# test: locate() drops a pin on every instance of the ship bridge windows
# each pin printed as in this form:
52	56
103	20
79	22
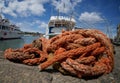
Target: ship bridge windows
50	29
4	28
16	29
56	29
59	25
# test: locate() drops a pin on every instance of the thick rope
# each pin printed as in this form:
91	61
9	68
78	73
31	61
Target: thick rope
84	52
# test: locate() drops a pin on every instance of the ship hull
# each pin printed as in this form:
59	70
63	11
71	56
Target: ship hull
10	35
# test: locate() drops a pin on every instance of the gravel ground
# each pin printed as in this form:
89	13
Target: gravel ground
19	73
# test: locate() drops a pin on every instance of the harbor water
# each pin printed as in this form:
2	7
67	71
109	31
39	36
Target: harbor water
16	43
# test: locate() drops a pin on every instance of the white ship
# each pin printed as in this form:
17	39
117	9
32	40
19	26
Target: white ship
57	24
9	31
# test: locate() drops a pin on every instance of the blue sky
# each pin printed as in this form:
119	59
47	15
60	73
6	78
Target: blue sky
33	15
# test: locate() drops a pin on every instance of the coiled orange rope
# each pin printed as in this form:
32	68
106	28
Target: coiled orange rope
84	52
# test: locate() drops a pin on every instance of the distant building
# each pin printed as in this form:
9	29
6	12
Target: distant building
118	33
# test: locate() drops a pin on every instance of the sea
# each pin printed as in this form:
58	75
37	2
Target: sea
16	43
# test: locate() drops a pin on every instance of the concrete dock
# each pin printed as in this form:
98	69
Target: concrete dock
19	73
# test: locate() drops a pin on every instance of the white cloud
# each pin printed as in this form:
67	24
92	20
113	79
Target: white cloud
65	6
43	25
90	18
40	23
24	8
36	26
9	11
26	26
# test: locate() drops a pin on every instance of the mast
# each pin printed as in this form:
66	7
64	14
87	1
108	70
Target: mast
71	16
1	12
